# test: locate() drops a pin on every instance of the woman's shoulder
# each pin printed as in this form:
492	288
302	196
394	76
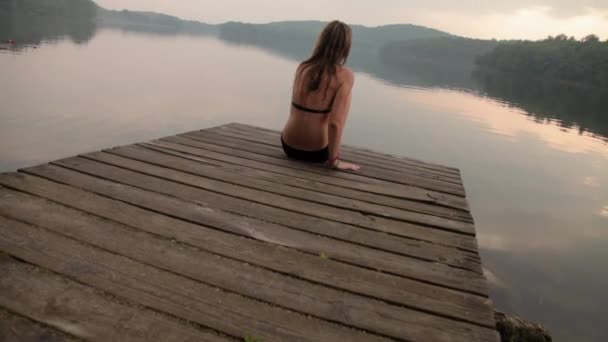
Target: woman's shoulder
346	75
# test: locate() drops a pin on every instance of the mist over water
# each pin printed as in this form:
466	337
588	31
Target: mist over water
533	154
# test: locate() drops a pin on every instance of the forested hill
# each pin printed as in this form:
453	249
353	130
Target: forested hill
378	34
582	62
402	53
295	38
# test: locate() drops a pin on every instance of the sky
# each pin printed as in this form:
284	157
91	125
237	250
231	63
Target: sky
513	19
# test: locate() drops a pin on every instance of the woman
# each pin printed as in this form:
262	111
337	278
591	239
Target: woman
320	101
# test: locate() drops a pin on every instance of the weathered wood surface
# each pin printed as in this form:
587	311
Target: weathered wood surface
311	267
214	235
15	328
375	155
227	152
295	178
369	175
85	313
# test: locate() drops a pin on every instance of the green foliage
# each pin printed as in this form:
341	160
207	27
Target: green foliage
35	21
591	39
583	62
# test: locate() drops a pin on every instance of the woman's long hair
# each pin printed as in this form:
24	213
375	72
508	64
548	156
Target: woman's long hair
331	50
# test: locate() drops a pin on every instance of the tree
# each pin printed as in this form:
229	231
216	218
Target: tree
583	62
590	39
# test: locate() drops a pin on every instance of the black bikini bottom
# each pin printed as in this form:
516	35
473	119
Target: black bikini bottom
319	156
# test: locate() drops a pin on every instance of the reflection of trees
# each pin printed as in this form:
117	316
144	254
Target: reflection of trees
446	62
290	41
399	54
149	22
584	107
37	21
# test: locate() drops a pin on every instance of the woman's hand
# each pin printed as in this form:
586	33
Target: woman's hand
345	166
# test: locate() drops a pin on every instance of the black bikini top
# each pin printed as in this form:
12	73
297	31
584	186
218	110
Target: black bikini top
305	109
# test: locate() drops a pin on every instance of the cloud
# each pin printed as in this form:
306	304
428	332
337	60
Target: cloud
557	8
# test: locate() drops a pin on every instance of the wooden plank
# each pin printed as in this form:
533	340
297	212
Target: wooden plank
267	198
248	194
366	174
399	291
253	210
221	174
281	177
286	218
270	140
227	312
290	177
227	151
367	152
83	312
394	244
322	302
417	269
420	249
15	328
302	179
220	229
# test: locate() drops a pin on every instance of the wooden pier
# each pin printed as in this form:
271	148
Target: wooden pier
214	235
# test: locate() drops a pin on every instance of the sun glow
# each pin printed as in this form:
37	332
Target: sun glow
539	22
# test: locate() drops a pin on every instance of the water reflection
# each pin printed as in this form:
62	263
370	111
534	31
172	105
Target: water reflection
582	108
375	53
150	23
536	175
32	22
571	106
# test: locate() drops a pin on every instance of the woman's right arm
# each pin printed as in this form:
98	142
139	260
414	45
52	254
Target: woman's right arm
337	119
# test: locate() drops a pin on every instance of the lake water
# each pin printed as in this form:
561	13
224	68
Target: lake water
534	157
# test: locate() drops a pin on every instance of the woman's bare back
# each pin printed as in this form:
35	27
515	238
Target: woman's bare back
309	131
